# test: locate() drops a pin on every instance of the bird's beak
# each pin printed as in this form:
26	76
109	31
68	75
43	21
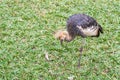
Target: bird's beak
61	41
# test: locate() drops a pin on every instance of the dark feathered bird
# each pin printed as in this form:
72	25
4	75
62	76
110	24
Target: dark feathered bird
83	25
79	25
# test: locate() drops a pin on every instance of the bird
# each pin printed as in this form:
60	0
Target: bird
79	25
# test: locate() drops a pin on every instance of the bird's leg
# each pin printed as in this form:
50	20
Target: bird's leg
61	42
81	50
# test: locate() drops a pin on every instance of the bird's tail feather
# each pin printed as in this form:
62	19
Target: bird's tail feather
100	29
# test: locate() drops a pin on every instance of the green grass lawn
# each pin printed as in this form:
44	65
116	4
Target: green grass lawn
26	35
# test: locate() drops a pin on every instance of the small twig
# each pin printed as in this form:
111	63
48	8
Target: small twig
46	56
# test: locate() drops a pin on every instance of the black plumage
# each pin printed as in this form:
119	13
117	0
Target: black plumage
77	21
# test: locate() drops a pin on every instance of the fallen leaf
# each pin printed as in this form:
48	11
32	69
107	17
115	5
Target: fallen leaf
71	77
46	56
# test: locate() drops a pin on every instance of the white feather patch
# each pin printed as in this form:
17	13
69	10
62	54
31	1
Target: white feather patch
90	31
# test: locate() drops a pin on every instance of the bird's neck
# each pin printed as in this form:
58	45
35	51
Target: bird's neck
69	37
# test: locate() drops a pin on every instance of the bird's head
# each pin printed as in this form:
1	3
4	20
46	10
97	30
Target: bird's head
62	36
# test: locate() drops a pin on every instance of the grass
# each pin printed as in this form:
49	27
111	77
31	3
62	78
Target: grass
26	35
